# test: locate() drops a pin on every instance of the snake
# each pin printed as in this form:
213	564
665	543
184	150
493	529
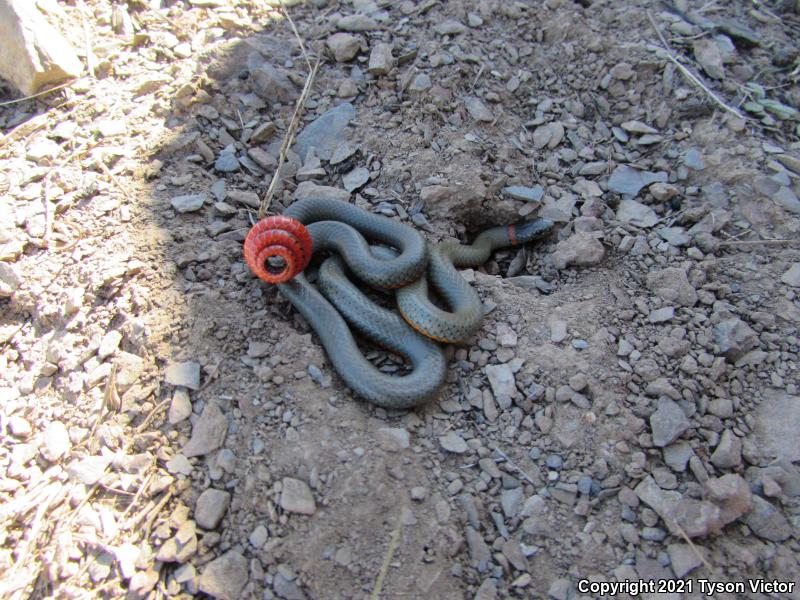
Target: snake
385	254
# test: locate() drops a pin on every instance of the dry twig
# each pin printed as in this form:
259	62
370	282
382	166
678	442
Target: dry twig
387	559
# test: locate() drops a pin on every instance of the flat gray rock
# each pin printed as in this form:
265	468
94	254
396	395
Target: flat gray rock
636	213
208	432
186	374
792	276
452	442
225	577
628	181
777	423
326	132
296	497
211	508
667	423
502	380
355	179
768	522
524	193
188	203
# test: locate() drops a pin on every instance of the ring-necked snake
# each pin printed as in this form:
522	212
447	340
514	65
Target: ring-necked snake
313	225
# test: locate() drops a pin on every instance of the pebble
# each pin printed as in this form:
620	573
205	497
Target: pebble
343	46
661	315
185	374
728	453
180	407
325	133
394	439
19	427
357	23
258	537
450	27
735	338
580	249
792	276
179	465
558	331
109	344
478	110
380	60
511	501
56	442
627	181
768	522
524	193
226	163
708	54
452	442
479	552
226	576
89	470
694	159
296	497
502	380
672	285
355	179
487	590
9	280
420	83
211	507
684	559
561	589
208	432
188	203
636	213
667	423
419	493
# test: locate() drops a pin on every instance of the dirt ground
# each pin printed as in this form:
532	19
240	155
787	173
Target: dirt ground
171	427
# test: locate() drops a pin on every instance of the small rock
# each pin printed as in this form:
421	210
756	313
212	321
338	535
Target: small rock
768	522
394	439
9	280
258	537
450	27
326	132
188	203
381	60
357	22
487	590
502	380
226	162
708	54
561	589
694	160
208	432
523	193
735	338
672	285
452	442
728	453
179	465
211	507
661	315
185	374
89	470
19	427
225	577
56	441
558	331
109	344
309	189
667	423
636	213
420	83
479	552
791	277
580	249
180	407
478	110
296	497
684	559
343	46
628	181
355	179
731	493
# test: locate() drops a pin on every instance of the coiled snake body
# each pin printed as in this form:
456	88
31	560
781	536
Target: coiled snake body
340	227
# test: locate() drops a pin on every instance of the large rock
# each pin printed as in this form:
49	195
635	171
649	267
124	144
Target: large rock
580	249
32	52
668	422
460	201
735	338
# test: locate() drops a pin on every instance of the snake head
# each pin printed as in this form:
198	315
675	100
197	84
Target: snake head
279	237
527	231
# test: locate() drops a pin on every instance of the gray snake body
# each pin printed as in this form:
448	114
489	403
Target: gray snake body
341	227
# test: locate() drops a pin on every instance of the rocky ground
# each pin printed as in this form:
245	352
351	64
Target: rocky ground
630	409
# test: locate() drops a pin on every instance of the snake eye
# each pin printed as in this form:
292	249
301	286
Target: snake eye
277	248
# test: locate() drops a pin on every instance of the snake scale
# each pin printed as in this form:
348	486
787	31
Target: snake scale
358	241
